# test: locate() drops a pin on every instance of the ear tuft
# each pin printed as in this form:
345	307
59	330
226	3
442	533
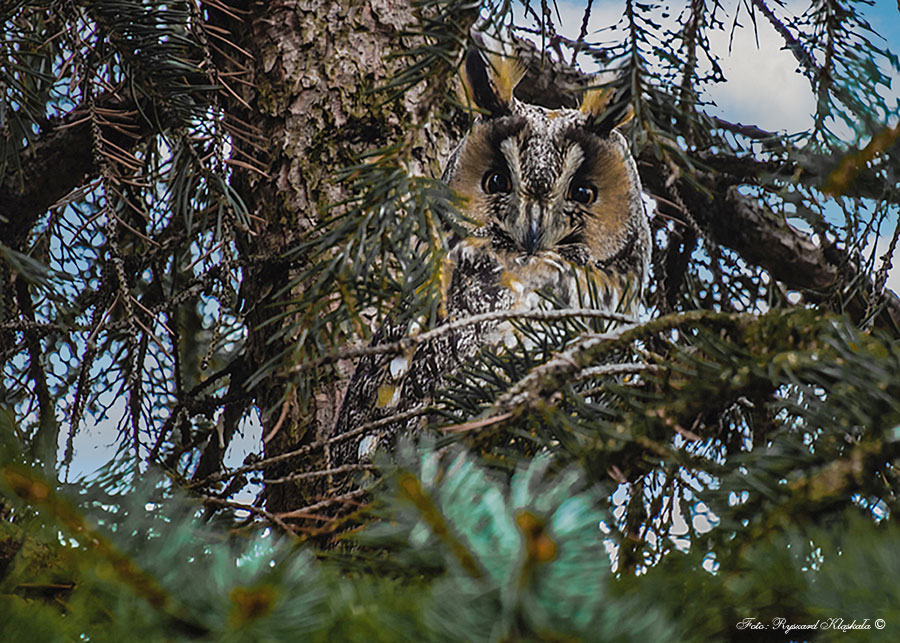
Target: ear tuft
595	101
508	71
490	86
607	109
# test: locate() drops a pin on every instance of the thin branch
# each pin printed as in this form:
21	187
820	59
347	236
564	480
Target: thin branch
795	46
764	238
750	131
84	369
411	341
345	498
590	371
306	475
262	464
544	379
887	261
65	147
687	97
48	428
577	45
840	179
273	518
604	370
526	389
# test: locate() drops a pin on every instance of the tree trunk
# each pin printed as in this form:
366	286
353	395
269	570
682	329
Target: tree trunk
309	91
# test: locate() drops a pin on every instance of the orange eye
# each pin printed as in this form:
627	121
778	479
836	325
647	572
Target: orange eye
583	193
495	182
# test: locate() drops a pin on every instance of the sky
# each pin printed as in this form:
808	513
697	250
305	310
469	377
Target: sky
763	88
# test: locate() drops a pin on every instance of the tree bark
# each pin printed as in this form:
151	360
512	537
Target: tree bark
311	77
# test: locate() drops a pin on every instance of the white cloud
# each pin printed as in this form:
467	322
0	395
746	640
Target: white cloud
95	442
603	16
764	87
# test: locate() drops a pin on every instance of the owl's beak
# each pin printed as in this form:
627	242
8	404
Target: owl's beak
534	231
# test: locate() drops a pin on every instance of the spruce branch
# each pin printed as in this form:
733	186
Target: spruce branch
792	44
309	448
307	475
240	506
37	493
411	341
66	146
542	380
343	499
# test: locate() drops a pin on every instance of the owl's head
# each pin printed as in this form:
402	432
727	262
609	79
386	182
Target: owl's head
537	180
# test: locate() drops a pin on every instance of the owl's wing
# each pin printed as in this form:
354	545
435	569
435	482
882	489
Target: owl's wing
360	405
387	385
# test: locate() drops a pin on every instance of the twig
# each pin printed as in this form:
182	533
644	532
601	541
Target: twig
261	464
573	360
612	369
476	424
318	474
588	372
886	262
795	46
275	519
579	42
520	392
411	341
285	407
750	131
302	511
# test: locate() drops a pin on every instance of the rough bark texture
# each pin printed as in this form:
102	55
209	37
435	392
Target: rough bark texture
315	66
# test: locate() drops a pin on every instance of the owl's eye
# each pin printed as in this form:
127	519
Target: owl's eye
495	182
583	193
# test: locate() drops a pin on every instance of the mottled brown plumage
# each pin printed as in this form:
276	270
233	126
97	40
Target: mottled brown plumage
553	200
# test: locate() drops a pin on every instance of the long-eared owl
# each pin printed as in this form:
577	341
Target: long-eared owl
553	202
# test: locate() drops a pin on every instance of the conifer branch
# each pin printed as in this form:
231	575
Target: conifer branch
411	341
309	448
564	366
240	506
791	43
303	512
306	475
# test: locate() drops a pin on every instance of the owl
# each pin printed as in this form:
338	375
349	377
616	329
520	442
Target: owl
553	203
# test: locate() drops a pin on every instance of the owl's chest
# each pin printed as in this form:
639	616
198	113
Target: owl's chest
484	279
477	277
480	278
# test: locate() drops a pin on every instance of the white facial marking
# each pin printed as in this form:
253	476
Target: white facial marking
572	161
511	154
